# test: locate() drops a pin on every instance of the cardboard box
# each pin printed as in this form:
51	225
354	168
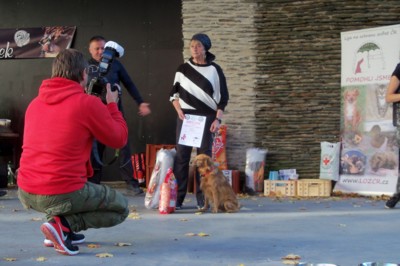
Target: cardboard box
280	188
314	188
233	178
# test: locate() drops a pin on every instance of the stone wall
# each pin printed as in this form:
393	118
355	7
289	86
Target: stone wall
282	63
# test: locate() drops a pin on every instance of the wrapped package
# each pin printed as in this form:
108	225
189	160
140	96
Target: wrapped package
164	161
219	148
168	194
255	162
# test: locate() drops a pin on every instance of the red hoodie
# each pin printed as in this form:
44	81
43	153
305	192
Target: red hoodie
60	126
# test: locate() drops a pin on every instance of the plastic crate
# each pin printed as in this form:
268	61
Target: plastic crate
314	187
280	188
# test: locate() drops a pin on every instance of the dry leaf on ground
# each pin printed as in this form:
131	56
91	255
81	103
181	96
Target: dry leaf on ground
134	216
104	255
10	259
120	244
93	245
41	259
291	257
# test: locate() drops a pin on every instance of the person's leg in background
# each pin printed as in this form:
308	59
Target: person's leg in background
181	171
391	203
126	170
96	158
181	166
205	148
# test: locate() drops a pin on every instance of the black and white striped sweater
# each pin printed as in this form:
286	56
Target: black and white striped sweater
200	89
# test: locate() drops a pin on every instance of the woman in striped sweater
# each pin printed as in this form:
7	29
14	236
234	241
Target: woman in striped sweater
199	89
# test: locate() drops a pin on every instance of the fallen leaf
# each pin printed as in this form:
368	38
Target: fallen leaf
41	259
134	216
10	259
120	244
183	220
35	219
190	234
104	255
198	213
291	257
93	245
290	262
202	234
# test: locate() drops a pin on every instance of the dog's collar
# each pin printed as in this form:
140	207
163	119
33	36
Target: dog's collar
208	172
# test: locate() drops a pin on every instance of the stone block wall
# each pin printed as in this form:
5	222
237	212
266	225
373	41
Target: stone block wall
282	63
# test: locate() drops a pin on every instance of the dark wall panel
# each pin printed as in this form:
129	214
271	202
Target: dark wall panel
150	32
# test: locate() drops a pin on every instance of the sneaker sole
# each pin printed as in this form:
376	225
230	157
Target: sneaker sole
52	235
49	244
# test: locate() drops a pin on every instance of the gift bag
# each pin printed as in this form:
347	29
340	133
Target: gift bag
219	148
330	161
255	162
164	161
168	194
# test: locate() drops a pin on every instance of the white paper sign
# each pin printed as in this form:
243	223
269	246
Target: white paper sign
192	130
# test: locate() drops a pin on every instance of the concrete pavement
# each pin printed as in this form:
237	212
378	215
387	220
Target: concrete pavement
337	230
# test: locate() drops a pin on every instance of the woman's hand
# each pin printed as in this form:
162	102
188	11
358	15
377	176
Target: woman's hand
214	126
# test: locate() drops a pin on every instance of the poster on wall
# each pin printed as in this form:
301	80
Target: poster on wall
39	42
369	156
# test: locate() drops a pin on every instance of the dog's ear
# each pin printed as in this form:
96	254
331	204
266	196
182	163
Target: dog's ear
208	162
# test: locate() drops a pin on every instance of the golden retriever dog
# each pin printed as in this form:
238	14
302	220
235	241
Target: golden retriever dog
215	186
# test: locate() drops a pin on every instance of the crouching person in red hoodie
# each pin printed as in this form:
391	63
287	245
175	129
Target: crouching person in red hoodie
60	126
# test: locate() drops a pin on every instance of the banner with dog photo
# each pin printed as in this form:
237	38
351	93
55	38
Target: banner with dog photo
369	158
35	42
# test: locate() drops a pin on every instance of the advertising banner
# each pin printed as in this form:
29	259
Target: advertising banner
369	156
35	42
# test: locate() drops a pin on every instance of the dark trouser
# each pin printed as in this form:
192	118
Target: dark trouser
125	164
93	206
182	160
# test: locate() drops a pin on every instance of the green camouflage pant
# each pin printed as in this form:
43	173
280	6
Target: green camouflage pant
93	206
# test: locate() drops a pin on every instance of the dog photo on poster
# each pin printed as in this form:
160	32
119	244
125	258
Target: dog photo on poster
369	157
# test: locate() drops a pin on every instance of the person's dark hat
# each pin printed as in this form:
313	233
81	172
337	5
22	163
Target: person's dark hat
204	39
206	42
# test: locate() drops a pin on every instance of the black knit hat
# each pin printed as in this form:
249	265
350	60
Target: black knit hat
204	39
206	42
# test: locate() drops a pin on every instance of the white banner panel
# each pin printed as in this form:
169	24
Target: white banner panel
369	156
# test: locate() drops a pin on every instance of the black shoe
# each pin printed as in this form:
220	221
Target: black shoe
391	203
3	193
60	236
130	190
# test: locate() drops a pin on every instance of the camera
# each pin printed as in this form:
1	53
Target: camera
97	85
